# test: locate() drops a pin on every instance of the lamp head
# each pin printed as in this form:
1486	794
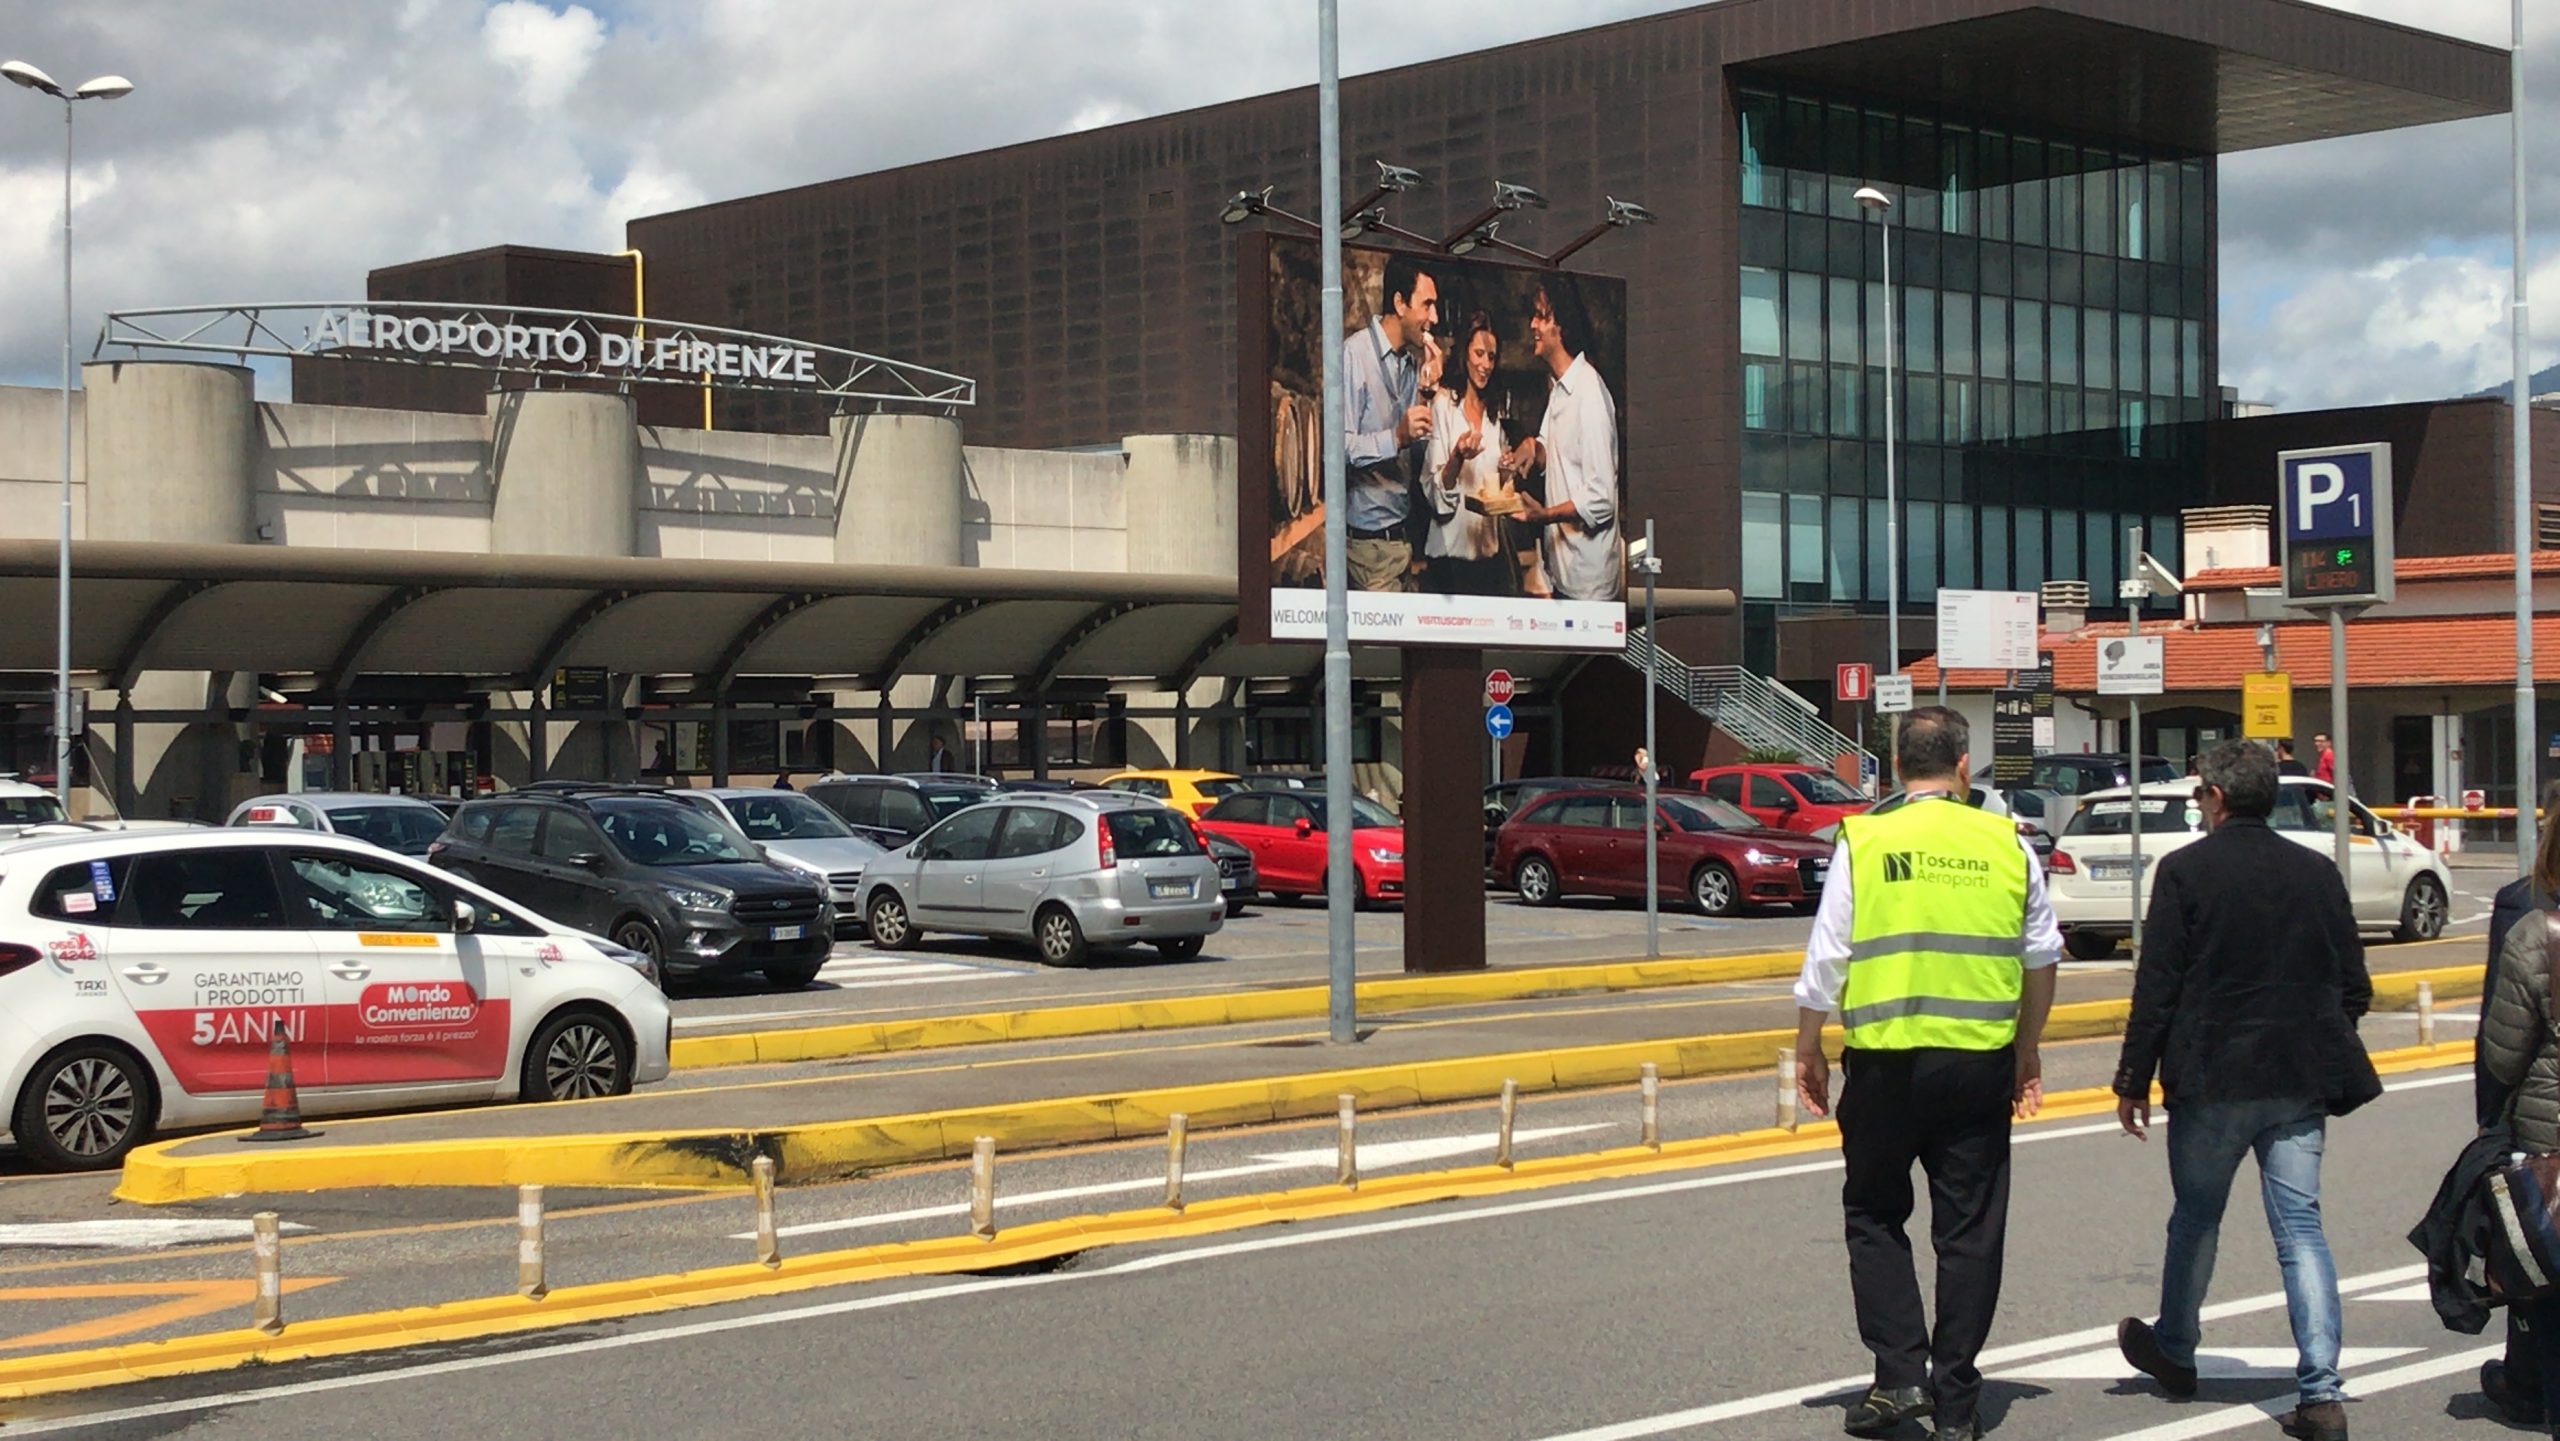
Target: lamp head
1476	239
1367	220
22	73
1627	212
1399	177
105	87
1874	199
1639	548
1246	205
1512	197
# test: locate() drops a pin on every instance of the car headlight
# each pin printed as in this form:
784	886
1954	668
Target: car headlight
1386	857
636	960
1759	857
693	900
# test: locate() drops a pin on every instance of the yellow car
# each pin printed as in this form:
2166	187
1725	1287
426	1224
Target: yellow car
1190	792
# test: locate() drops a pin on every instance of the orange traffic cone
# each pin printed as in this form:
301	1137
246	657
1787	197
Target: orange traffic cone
280	1118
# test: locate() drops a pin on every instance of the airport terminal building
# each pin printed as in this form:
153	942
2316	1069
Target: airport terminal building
2053	288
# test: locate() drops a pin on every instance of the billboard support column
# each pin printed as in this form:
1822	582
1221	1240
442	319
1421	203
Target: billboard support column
1341	966
1443	810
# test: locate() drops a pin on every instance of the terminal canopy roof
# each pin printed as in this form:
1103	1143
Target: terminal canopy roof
511	620
2203	76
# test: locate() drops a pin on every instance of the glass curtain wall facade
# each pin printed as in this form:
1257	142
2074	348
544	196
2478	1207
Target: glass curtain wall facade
2052	314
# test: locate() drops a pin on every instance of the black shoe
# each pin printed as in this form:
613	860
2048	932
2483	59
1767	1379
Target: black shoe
2142	1349
2521	1410
1883	1410
2319	1421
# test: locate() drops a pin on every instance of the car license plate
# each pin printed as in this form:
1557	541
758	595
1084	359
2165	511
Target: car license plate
1231	883
1169	890
787	933
2110	870
1820	874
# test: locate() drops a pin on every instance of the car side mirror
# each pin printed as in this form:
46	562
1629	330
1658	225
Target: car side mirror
466	918
1786	803
588	860
1304	826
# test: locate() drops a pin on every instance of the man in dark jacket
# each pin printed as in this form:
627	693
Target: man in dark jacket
2512	1385
2246	1002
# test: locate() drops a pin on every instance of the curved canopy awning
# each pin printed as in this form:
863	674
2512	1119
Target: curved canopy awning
339	615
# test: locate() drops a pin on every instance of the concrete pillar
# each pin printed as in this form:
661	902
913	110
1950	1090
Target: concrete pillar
172	451
568	474
1181	493
902	490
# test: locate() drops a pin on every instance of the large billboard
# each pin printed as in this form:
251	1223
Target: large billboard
1484	429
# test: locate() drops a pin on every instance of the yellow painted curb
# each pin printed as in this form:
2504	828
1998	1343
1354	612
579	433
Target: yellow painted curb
1385	996
1038	1241
706	1159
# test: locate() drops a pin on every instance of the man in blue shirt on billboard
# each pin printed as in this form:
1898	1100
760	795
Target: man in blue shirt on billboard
1389	369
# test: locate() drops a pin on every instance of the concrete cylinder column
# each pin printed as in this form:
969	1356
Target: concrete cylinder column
567	468
173	449
902	490
1181	492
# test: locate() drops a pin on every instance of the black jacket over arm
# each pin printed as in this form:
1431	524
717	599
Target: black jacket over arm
2252	977
2515	902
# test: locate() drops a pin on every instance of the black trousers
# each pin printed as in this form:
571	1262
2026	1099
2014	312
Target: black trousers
1949	1111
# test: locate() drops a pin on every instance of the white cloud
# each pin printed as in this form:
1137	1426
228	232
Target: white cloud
2410	327
550	51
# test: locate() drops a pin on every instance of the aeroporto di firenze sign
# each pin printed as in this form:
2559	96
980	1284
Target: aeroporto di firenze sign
387	336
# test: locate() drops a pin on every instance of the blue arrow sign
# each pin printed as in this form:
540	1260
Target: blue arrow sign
1497	721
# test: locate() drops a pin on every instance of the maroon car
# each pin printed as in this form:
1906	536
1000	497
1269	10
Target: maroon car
1712	853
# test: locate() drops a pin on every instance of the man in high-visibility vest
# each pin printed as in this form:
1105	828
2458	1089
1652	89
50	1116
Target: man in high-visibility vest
1936	946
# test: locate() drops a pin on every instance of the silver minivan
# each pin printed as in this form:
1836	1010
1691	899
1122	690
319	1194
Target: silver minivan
1068	873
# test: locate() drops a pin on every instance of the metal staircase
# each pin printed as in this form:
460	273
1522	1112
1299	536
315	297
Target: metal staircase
1751	708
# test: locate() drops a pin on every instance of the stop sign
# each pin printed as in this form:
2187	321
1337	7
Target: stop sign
1497	687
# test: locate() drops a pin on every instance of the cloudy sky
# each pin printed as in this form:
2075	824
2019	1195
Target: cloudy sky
277	149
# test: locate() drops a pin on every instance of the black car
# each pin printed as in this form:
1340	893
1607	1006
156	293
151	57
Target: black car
1281	781
2075	775
1237	878
648	872
894	810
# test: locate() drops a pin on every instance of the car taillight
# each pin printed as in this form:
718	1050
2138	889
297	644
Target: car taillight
1201	808
1200	836
2062	862
1110	853
15	958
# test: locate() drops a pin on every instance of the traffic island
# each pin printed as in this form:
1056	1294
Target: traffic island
833	1127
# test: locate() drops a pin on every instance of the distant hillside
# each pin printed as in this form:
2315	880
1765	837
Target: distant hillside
2545	382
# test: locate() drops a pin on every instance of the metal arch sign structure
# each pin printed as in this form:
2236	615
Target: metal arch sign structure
525	340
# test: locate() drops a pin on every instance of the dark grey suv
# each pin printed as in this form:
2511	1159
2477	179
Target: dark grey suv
649	873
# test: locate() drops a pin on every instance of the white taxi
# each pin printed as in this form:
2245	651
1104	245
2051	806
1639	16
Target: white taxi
144	975
2395	884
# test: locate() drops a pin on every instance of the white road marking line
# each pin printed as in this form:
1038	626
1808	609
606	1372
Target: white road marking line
137	1234
899	968
911	981
1286	1240
1392	1153
2235	1364
2232	1418
2420	1292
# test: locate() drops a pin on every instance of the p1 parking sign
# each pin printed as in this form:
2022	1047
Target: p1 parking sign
2337	528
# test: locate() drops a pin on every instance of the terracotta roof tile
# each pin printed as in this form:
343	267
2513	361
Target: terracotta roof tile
2409	568
2419	651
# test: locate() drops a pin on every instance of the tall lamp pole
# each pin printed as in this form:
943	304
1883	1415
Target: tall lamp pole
105	87
1342	879
2528	739
1648	561
1881	205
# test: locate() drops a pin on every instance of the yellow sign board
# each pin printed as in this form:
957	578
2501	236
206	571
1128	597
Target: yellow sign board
2266	705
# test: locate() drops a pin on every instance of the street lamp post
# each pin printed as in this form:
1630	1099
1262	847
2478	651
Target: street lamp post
1649	562
105	87
2528	795
1881	205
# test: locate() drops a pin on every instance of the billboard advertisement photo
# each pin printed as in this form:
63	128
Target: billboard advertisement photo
1484	437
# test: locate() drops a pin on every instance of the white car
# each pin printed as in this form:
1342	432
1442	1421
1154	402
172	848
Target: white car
2395	884
23	805
145	974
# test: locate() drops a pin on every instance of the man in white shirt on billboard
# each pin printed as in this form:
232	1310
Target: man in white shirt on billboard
1577	444
1390	368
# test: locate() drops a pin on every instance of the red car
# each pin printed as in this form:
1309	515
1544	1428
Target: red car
1592	843
1787	798
1286	833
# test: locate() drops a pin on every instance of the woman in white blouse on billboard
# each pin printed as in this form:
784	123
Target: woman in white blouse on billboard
1463	555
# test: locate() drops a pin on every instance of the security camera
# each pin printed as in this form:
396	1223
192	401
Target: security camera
1513	197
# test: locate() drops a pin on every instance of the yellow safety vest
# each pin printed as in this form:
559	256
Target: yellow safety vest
1937	932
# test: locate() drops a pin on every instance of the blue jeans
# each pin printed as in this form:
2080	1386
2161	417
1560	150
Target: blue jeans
2206	1142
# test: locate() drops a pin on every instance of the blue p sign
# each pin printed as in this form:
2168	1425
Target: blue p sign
2329	497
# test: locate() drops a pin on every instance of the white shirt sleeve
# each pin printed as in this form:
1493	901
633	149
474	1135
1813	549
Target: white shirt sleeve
2044	934
1826	952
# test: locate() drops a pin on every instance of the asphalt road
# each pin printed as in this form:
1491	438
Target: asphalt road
1708	1303
1271	945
